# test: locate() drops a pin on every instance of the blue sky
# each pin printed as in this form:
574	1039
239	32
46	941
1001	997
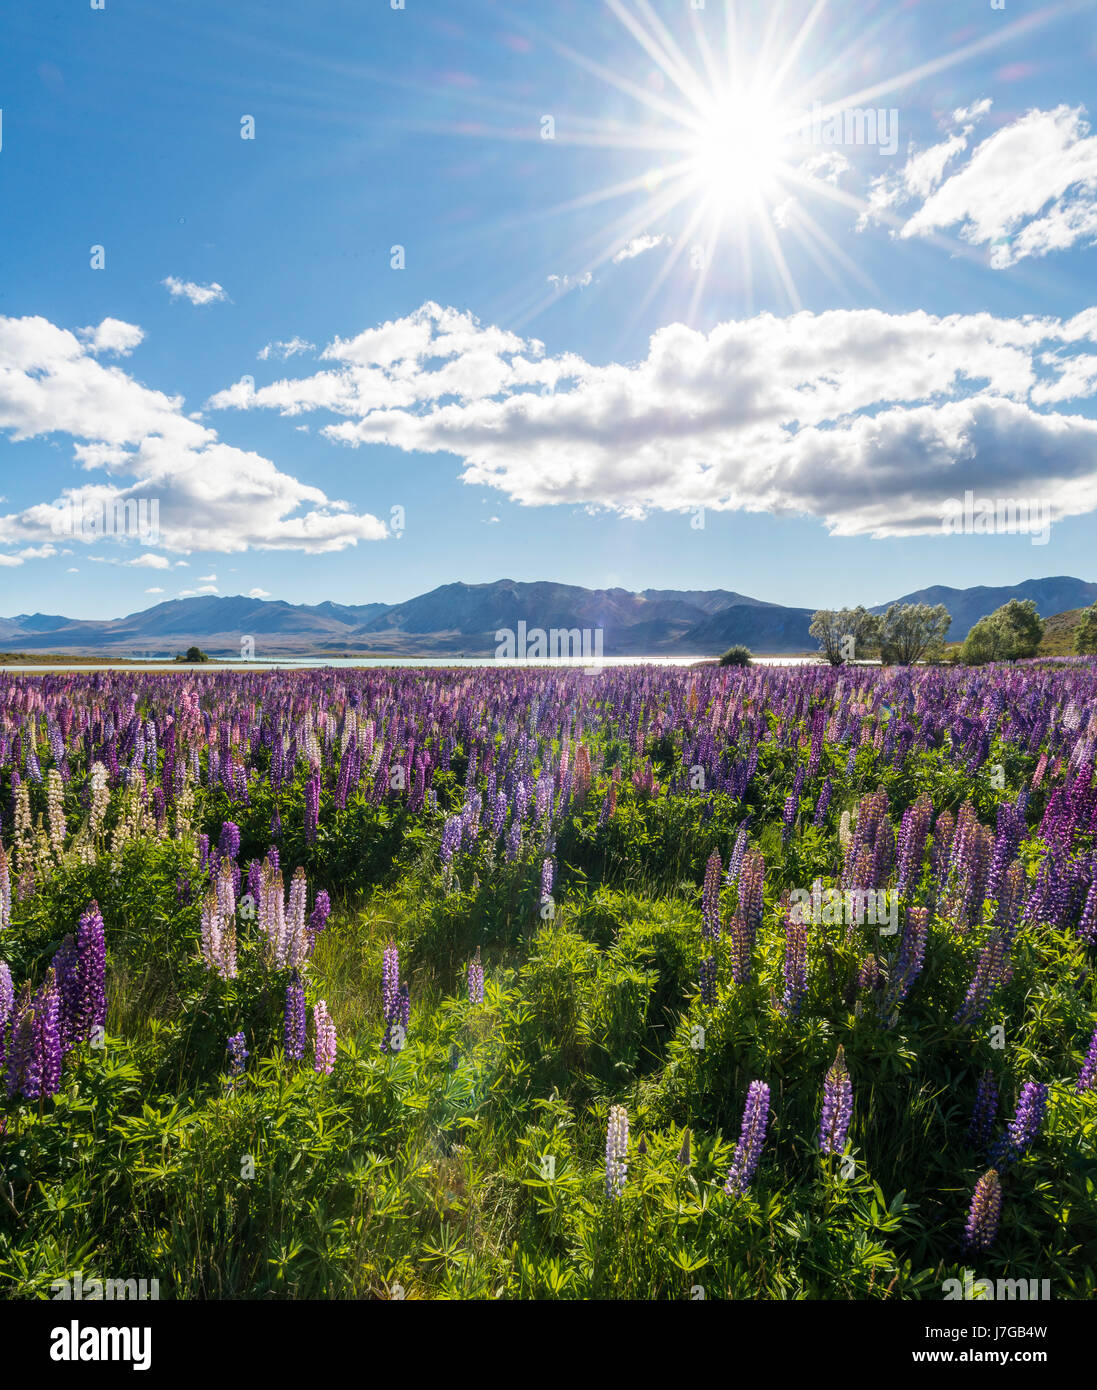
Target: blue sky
687	306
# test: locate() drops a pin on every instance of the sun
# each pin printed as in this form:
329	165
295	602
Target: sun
739	152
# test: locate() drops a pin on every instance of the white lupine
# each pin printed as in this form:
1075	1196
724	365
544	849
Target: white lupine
100	798
845	835
55	811
616	1151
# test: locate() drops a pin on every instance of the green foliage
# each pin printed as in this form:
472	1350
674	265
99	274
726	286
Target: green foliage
1010	633
737	655
1085	634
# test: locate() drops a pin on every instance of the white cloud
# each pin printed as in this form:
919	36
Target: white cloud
207	579
197	593
1026	190
570	282
70	570
866	420
637	246
197	294
258	593
150	562
212	496
112	335
283	350
154	591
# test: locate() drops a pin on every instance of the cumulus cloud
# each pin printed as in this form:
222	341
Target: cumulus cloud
637	246
143	449
197	294
1026	190
154	590
150	562
866	420
112	335
202	590
258	593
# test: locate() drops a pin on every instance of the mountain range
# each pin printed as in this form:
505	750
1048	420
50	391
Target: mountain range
462	619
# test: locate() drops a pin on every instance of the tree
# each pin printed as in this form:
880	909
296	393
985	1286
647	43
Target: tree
845	634
193	654
1010	633
1085	634
911	631
735	656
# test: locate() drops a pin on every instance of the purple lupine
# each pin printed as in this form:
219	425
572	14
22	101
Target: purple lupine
741	942
735	861
822	804
238	1055
1025	1125
296	1019
476	980
66	969
751	890
228	843
1086	1076
312	807
837	1106
616	1151
710	898
992	970
796	962
908	964
395	1000
986	1208
326	1043
91	951
751	1138
451	838
34	1051
984	1111
707	977
321	911
548	877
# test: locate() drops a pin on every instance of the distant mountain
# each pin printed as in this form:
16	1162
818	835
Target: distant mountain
967	606
462	619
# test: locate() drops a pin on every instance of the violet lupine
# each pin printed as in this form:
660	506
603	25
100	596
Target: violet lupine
707	978
326	1043
735	861
741	942
991	970
91	952
710	898
986	1208
238	1055
395	1001
321	911
1086	1076
822	804
908	964
295	1024
1025	1125
796	962
837	1106
476	980
66	969
312	808
548	877
228	843
983	1112
751	1138
751	890
616	1151
34	1047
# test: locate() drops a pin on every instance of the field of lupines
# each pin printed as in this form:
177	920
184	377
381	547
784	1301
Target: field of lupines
528	984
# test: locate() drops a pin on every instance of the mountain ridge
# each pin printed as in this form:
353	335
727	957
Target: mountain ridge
462	619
